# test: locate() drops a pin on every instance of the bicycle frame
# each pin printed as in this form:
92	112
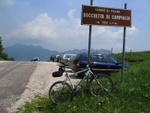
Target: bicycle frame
88	74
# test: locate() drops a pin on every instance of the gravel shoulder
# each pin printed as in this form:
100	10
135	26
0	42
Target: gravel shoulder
39	83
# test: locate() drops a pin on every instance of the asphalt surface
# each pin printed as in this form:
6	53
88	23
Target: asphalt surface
14	77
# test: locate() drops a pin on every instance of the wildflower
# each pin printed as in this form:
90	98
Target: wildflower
74	107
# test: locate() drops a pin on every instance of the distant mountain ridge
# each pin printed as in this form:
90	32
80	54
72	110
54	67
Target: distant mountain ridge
22	52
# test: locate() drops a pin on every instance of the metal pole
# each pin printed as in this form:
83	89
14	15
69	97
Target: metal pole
123	51
90	33
89	45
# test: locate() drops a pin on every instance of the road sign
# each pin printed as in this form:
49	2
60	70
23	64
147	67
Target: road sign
93	15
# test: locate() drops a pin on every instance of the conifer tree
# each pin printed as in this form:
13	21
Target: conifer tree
1	47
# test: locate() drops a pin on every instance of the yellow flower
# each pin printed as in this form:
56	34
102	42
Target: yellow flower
74	107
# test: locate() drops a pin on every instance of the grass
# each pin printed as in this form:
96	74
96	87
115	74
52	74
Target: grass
132	96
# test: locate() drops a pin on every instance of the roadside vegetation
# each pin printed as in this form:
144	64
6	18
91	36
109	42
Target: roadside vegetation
132	96
3	56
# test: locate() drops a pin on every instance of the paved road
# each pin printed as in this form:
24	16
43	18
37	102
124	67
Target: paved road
14	76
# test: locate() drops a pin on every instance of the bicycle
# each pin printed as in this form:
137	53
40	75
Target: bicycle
62	91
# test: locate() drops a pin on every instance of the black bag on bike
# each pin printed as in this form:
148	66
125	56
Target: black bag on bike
57	74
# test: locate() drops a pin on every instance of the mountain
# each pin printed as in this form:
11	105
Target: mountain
22	52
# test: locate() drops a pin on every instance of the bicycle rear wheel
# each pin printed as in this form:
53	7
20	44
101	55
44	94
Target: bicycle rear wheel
60	92
101	85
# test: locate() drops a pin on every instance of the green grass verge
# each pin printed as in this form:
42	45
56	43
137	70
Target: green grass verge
132	96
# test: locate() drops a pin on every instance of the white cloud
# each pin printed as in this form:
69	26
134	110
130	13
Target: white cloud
40	27
112	37
132	31
70	14
63	34
107	32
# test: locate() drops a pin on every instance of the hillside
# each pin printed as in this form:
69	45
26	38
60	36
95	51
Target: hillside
131	96
22	52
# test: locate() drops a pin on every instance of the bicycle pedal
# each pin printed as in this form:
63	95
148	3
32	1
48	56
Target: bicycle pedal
73	91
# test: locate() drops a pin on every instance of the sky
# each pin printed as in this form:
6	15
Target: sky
56	25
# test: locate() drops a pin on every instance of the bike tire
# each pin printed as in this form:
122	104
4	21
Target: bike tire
60	92
101	85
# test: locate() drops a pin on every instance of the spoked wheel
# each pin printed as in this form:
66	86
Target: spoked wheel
60	92
101	86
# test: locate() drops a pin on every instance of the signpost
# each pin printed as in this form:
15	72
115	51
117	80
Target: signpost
89	44
94	15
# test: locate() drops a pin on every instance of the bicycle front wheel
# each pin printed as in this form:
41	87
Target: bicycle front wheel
101	85
60	92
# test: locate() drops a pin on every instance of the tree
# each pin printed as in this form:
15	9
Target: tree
3	55
1	46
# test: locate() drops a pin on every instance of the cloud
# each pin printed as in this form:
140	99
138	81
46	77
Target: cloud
112	37
132	31
67	33
70	14
40	27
